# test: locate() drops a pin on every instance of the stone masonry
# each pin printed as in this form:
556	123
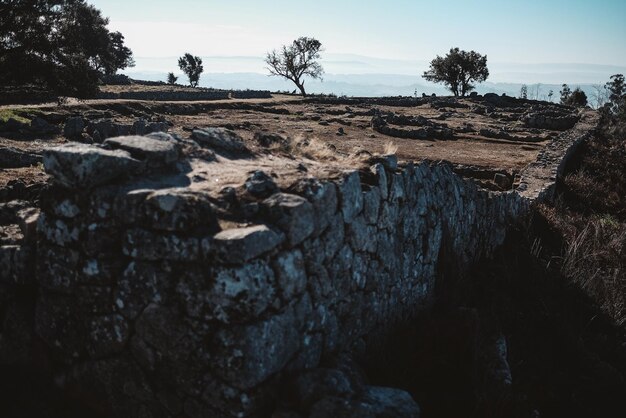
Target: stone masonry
161	300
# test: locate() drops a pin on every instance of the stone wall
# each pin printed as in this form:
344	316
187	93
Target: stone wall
173	95
159	300
167	95
143	283
251	94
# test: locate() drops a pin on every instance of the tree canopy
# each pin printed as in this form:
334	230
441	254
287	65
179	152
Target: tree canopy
297	60
577	97
192	67
63	45
458	70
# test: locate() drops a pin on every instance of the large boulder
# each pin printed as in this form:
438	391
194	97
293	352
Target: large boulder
79	165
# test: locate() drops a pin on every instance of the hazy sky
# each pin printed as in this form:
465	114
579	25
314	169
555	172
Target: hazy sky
529	31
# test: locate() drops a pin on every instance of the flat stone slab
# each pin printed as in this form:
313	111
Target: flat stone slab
155	152
80	165
244	244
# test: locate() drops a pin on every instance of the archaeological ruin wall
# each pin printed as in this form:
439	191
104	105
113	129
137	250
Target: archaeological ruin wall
154	296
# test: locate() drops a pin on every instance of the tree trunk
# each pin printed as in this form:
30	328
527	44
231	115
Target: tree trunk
301	87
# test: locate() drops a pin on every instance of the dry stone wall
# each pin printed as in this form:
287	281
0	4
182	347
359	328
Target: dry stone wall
143	282
154	298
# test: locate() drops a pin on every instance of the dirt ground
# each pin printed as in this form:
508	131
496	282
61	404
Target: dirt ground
332	131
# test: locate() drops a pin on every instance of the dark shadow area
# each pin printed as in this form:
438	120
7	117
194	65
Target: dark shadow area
566	358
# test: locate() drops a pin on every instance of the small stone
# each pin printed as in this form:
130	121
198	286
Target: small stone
139	127
502	181
260	185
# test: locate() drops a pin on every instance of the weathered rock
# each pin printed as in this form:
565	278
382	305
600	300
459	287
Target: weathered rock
219	139
104	129
108	335
146	245
74	127
260	185
248	355
231	295
42	126
139	127
178	210
14	125
351	198
241	245
502	181
290	274
78	166
267	140
323	196
14	158
291	213
156	153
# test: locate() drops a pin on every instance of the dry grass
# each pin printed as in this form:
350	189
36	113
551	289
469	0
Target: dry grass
313	148
590	220
595	259
390	148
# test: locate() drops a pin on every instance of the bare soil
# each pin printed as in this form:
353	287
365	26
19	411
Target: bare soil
336	135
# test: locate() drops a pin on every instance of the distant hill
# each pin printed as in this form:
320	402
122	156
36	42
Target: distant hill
355	75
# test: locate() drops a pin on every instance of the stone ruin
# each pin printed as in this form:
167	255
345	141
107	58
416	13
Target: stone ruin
160	296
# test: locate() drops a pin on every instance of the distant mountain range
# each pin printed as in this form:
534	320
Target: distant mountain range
355	75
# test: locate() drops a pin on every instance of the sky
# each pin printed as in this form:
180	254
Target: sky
530	41
529	31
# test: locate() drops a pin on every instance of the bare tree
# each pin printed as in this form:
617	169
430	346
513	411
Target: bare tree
600	95
537	90
523	93
296	61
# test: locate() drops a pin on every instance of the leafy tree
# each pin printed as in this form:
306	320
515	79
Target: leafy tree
458	70
550	94
617	93
577	98
171	78
296	61
192	67
63	45
523	94
565	92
